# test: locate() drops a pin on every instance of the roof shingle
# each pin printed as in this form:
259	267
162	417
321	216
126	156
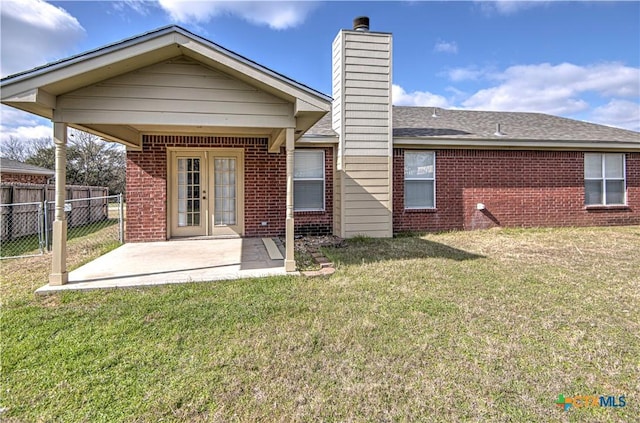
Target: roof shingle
422	122
14	166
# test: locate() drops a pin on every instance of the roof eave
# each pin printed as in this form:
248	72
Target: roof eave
517	144
133	53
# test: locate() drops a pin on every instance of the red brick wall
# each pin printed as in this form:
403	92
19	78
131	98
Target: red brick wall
518	188
264	189
24	178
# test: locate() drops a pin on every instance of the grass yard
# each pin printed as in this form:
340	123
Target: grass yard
464	326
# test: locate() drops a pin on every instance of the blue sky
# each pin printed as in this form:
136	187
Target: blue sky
576	59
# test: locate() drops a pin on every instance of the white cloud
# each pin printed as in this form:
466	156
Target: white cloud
142	7
33	33
621	113
464	74
446	47
22	125
275	14
508	7
556	89
417	98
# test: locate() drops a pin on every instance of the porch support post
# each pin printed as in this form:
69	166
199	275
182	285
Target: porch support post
289	261
59	275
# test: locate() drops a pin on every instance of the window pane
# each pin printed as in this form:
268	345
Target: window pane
418	165
615	192
613	166
308	195
308	164
593	192
593	165
418	194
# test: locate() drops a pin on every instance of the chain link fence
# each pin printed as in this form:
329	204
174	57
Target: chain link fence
26	229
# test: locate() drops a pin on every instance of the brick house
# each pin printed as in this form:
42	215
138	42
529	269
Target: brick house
218	145
16	171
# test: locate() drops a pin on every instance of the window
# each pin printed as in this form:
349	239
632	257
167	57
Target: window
604	182
308	180
419	179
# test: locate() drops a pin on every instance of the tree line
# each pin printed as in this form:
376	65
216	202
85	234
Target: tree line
90	160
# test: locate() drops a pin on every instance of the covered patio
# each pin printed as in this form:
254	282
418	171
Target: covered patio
172	262
207	132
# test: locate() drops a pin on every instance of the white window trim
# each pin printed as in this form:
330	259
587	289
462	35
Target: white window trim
323	179
404	178
604	180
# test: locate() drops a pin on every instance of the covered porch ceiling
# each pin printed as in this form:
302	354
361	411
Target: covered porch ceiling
80	90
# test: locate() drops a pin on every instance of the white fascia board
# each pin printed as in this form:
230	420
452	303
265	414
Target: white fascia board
27	171
34	95
511	144
302	106
318	139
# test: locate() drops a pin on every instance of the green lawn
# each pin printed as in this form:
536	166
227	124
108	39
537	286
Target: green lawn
464	326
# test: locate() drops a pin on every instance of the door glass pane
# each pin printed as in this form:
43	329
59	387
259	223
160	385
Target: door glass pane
188	191
615	192
225	191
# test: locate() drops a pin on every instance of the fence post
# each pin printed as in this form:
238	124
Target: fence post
11	210
41	235
47	241
121	217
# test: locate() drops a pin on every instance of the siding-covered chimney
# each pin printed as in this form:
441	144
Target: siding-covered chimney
362	118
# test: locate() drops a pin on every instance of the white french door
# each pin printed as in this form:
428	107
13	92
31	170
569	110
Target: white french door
206	193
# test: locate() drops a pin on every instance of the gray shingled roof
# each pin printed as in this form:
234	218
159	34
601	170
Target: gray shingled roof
322	128
14	166
418	122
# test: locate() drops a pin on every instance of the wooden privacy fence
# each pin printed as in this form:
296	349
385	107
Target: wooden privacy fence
21	204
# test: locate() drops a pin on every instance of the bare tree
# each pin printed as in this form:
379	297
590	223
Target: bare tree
90	160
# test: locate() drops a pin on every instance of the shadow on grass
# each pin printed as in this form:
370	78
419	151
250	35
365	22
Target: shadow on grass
90	228
367	250
30	244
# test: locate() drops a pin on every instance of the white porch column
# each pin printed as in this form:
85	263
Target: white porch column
59	275
289	260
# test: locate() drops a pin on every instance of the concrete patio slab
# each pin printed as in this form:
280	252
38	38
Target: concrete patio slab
180	261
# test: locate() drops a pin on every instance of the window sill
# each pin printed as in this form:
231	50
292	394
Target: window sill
433	210
309	211
599	207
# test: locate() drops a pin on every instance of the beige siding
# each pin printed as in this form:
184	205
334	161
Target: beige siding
337	203
362	118
367	196
337	92
183	90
